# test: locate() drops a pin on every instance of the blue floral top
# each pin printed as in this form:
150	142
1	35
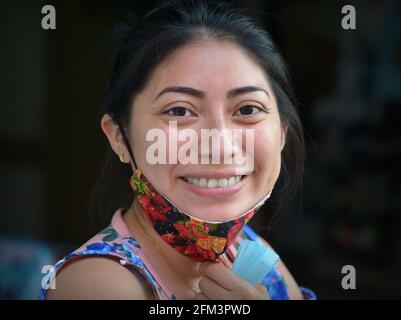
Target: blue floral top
116	241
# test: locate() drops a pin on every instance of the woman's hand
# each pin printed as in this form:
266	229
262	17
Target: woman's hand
220	283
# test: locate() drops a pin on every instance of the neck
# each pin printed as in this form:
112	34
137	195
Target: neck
187	267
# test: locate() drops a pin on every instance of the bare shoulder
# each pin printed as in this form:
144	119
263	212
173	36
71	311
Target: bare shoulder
99	278
293	289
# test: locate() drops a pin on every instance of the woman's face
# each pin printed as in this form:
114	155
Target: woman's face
209	191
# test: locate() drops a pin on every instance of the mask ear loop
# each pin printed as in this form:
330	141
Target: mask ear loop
126	142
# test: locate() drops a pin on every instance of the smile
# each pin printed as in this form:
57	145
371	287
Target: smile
209	183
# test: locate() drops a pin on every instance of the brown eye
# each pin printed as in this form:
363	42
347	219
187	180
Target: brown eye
179	112
248	110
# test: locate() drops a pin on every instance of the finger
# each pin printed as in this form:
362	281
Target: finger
263	291
222	276
200	296
213	290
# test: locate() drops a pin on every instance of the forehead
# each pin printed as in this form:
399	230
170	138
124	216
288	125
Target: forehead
209	65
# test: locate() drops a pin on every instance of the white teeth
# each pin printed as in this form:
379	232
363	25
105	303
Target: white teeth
222	183
214	183
203	183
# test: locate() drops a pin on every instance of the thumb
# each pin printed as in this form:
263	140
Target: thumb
263	291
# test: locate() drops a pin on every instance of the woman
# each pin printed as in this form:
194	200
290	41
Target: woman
190	65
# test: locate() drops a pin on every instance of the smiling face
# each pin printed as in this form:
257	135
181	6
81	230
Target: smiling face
214	192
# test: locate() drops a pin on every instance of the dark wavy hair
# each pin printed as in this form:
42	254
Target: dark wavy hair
145	42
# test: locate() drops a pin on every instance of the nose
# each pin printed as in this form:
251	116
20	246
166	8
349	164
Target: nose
219	141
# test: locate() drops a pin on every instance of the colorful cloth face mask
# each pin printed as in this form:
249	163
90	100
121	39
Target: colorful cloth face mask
198	239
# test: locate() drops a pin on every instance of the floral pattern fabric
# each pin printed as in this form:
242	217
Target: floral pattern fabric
116	242
200	240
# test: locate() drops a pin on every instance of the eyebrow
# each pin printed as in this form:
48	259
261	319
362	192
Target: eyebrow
200	94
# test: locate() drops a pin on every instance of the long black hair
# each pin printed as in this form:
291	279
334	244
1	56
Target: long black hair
149	40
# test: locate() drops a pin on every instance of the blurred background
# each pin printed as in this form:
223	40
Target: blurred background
348	84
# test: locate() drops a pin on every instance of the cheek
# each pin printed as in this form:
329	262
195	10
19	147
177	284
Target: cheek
139	130
141	127
139	144
267	147
159	174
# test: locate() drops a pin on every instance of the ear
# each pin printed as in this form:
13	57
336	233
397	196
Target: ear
284	131
113	134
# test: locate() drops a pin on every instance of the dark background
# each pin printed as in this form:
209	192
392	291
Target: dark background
348	86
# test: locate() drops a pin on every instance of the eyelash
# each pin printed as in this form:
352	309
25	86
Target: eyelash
186	109
252	114
174	108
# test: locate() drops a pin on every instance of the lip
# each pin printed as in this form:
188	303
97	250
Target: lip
214	192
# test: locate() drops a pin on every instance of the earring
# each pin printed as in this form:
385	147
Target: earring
121	158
